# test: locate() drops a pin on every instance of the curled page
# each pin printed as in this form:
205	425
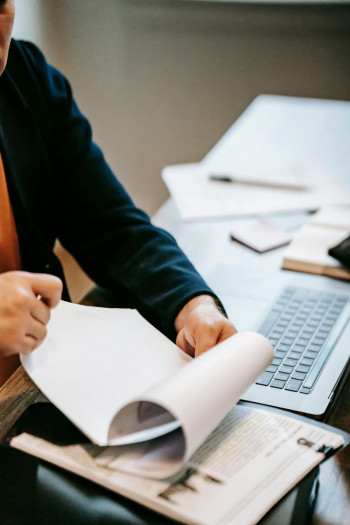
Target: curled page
198	396
121	382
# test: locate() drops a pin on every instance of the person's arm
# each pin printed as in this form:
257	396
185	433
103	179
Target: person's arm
25	303
97	222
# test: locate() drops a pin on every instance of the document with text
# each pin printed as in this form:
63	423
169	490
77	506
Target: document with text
245	466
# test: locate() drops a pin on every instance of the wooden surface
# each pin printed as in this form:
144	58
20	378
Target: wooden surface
15	396
333	505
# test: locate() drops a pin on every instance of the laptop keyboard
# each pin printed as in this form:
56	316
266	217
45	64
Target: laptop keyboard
302	326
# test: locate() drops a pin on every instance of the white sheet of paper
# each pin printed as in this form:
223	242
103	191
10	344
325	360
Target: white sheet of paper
87	353
273	131
197	196
97	365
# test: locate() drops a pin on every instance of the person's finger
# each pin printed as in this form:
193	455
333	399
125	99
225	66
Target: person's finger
37	330
213	334
29	344
40	311
183	343
48	287
207	337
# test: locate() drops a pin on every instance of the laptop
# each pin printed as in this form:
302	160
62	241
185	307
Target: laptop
306	318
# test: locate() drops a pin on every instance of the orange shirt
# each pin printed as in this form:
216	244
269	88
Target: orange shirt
9	258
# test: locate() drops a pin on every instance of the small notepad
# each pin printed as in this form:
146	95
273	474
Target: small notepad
261	235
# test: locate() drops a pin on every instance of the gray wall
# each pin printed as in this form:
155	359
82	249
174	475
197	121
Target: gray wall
161	80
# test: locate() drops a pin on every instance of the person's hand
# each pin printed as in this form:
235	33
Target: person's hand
200	325
25	303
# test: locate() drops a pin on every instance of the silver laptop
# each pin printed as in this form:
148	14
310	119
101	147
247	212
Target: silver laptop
306	319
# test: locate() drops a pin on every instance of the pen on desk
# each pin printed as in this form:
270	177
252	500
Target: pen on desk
255	182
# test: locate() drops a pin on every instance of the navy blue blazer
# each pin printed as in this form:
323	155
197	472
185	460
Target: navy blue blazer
62	188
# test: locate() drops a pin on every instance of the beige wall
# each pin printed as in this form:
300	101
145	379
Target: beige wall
161	80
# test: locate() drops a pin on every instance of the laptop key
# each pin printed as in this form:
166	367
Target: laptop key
271	368
281	376
264	379
298	348
268	323
294	355
282	346
293	385
304	390
299	293
319	339
324	330
299	375
302	368
314	348
276	383
286	369
290	362
277	361
280	353
287	340
307	361
311	354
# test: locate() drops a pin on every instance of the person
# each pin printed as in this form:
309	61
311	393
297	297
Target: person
56	184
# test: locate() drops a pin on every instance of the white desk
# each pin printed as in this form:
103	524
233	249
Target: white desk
235	272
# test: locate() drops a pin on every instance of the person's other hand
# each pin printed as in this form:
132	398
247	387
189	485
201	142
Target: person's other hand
200	325
25	303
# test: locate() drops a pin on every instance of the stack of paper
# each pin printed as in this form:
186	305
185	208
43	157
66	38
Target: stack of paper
294	146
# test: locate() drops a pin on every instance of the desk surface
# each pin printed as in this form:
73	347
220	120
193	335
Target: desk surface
208	245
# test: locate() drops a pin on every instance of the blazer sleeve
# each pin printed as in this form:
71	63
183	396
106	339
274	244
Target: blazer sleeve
112	239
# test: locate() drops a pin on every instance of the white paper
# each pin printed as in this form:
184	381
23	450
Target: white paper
333	216
95	360
199	396
197	196
308	137
284	129
121	381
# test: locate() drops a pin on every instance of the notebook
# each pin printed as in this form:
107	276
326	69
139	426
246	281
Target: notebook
308	251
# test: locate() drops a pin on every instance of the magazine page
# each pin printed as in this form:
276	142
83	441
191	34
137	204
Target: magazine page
253	456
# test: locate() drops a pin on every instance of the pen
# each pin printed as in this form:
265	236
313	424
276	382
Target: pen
291	185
